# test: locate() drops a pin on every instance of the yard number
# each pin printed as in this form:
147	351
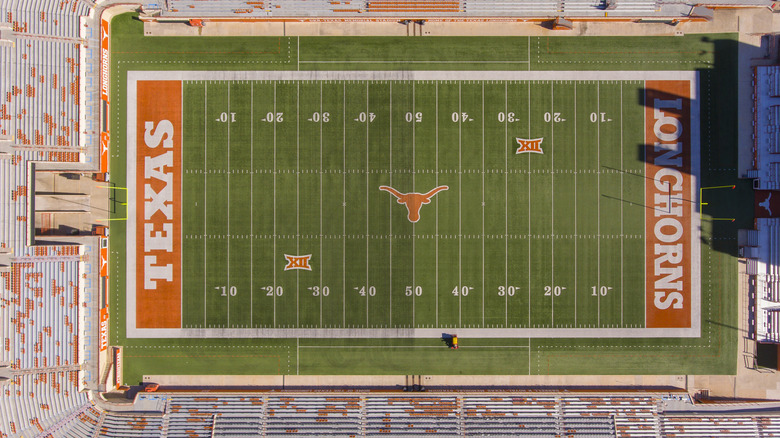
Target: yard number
553	290
366	291
509	117
223	117
462	291
413	290
316	291
271	117
317	116
599	117
414	117
365	117
461	117
271	292
232	290
553	117
603	291
508	291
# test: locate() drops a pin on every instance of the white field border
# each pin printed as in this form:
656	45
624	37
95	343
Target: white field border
134	332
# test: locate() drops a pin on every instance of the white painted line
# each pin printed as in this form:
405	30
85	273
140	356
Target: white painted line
621	204
205	193
367	208
552	203
251	200
405	61
344	206
392	201
321	259
273	256
228	205
460	203
506	207
598	202
576	238
529	210
483	204
298	200
436	252
414	162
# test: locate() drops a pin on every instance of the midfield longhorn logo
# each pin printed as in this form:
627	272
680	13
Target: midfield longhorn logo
533	146
413	201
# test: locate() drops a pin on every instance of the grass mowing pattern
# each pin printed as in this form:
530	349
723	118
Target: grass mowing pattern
713	55
294	168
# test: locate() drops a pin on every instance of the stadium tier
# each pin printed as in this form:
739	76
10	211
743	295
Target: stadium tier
55	362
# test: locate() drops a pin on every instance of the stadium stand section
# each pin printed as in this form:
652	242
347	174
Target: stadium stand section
50	118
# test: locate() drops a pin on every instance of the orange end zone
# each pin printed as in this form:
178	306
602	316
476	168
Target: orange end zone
158	200
668	231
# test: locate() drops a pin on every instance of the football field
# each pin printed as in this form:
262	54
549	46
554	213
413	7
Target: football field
390	204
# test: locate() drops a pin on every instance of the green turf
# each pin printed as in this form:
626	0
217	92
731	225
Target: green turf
309	184
714	352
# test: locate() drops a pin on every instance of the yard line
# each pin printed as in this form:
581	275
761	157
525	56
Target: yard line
228	209
298	52
598	203
414	162
367	206
251	198
529	209
205	177
321	260
552	203
621	204
483	204
575	204
506	206
391	207
460	202
273	256
344	206
529	69
436	252
298	200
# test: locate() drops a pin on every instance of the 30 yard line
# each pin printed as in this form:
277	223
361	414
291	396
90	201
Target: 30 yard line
506	206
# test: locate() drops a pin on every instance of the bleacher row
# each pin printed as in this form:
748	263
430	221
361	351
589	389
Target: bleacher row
393	8
224	415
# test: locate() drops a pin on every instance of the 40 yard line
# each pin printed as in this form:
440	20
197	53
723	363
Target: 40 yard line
228	208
